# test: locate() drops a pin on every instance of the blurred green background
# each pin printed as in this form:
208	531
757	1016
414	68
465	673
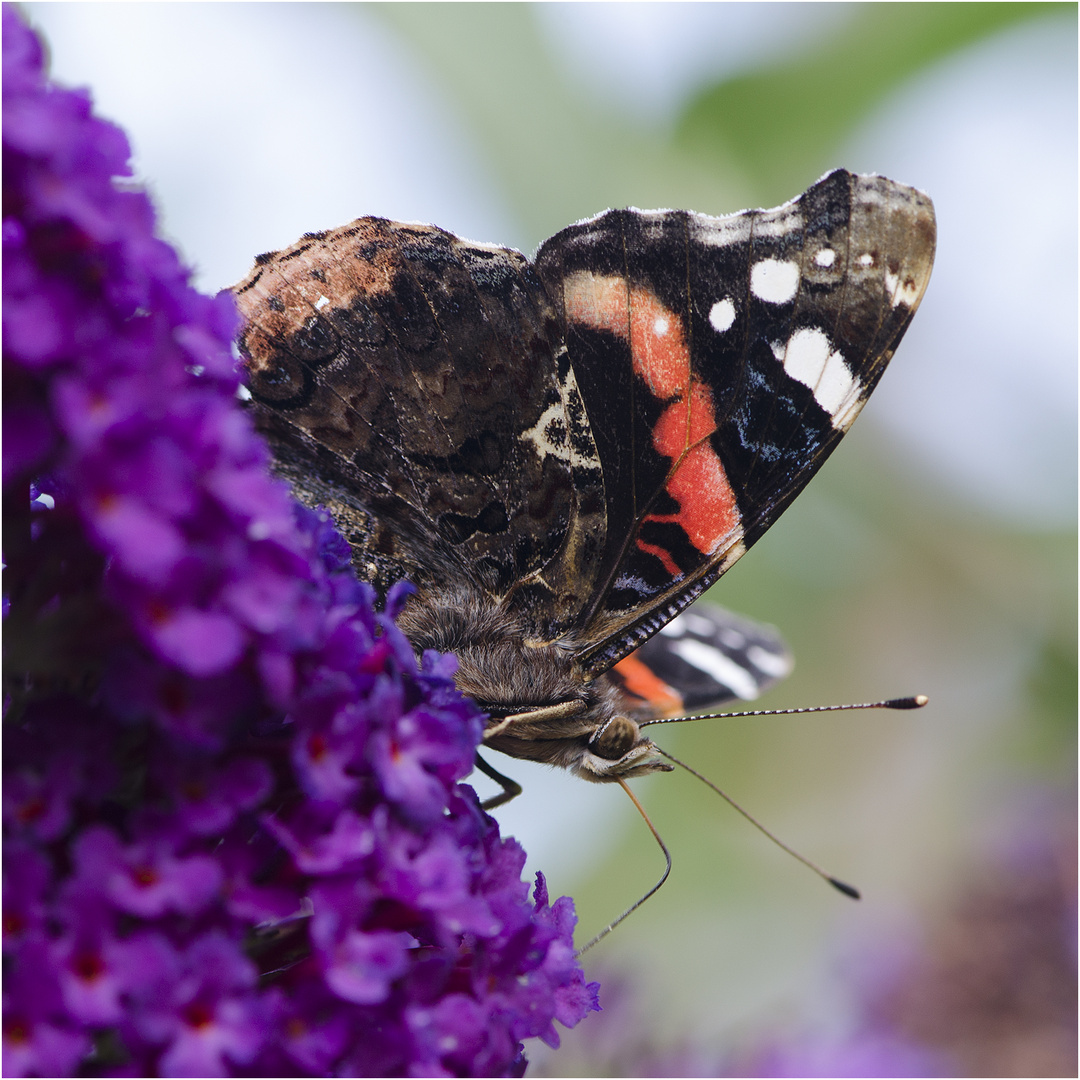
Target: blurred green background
935	553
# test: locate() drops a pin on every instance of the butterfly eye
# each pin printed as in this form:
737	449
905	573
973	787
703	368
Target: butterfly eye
616	738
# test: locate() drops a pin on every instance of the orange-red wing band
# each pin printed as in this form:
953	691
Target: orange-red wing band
708	512
639	680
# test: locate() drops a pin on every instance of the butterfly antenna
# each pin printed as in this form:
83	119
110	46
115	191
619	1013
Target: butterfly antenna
667	870
836	883
916	701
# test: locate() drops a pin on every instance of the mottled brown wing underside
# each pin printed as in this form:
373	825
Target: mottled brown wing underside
415	384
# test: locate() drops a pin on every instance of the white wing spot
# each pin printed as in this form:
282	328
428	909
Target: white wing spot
720	232
844	417
900	292
809	358
698	624
776	665
722	315
825	257
866	260
722	668
321	302
549	436
660	326
774	281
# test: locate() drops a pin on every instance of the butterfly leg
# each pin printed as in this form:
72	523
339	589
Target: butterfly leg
498	728
511	789
559	711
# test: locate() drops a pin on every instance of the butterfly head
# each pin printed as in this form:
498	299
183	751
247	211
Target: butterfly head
589	739
617	750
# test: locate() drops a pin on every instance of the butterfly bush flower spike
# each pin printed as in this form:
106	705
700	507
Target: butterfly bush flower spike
236	837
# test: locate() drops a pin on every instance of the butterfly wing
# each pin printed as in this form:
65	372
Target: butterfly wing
700	659
416	385
720	361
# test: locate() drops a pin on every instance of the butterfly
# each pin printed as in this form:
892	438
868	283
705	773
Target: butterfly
562	454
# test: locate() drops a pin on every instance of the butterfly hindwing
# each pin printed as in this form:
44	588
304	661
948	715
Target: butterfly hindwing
410	382
702	658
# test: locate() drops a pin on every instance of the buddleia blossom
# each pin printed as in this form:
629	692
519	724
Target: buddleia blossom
236	837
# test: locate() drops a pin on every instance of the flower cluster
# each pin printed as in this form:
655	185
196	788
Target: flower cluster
236	840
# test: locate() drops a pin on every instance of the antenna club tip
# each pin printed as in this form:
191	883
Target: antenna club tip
845	888
915	702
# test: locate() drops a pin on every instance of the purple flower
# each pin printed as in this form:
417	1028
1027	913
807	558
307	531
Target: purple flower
313	1030
867	1053
236	837
322	838
210	795
40	1038
205	1015
92	962
27	875
147	877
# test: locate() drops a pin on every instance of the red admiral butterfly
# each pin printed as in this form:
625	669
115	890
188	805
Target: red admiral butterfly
563	454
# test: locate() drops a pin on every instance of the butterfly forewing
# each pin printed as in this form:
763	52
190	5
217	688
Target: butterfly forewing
723	359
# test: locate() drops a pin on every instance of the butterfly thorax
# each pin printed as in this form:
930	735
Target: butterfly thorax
541	706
